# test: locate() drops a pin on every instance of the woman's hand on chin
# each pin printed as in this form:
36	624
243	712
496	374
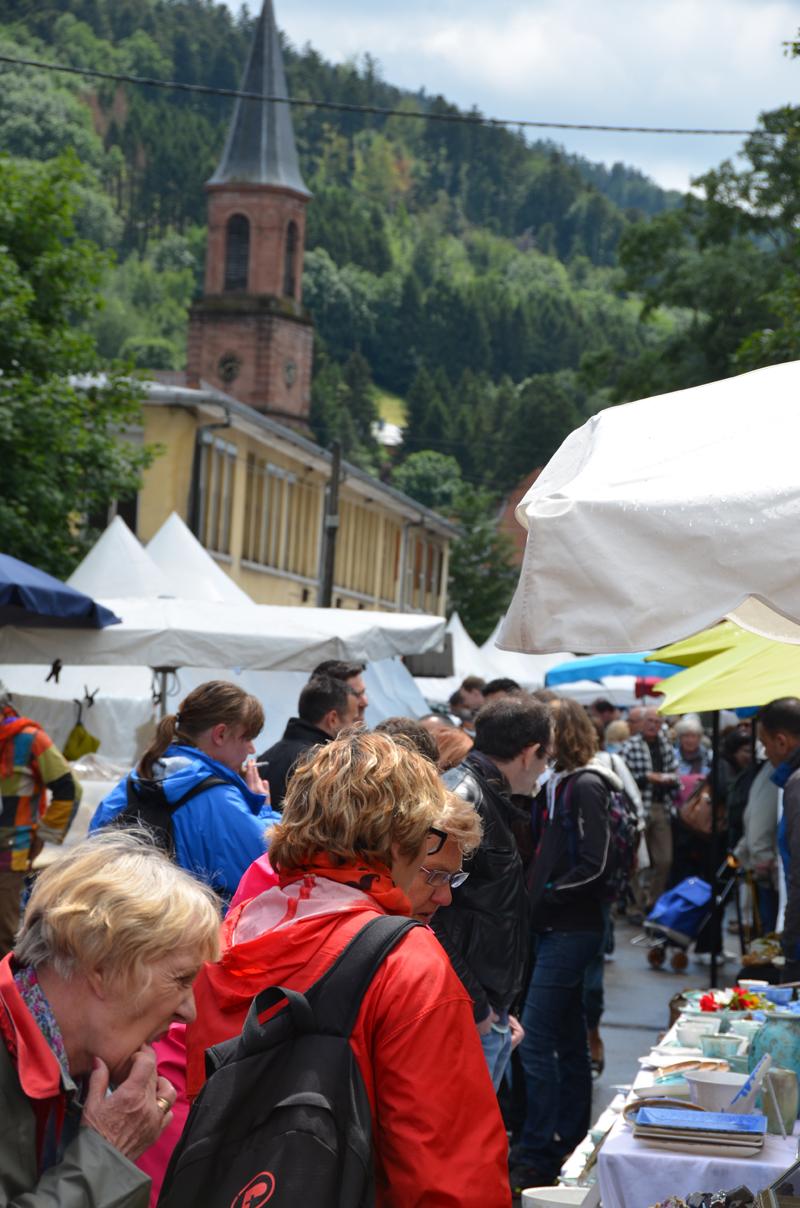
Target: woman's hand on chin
134	1115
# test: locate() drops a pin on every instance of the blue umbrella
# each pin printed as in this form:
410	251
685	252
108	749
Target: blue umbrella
598	666
31	597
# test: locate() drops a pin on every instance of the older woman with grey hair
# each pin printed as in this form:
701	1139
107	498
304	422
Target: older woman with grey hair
110	944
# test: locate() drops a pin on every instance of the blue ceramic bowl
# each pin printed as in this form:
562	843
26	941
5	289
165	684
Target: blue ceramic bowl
780	995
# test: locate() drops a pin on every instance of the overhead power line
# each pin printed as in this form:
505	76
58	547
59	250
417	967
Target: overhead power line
475	119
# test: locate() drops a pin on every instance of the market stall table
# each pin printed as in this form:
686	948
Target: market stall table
633	1174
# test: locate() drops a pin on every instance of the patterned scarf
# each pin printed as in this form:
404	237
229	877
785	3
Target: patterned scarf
373	879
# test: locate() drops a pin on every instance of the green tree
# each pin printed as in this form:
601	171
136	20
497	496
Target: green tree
482	570
61	447
432	478
482	574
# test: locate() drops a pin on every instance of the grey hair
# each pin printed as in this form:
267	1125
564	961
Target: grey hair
116	903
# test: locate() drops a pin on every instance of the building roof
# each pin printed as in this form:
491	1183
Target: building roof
260	147
164	389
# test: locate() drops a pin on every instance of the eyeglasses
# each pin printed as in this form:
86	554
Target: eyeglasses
437	876
441	836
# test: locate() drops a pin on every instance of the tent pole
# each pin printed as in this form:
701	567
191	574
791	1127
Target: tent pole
716	919
161	674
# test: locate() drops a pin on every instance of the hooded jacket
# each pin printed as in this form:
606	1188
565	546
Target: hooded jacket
298	737
438	1136
219	832
573	849
91	1171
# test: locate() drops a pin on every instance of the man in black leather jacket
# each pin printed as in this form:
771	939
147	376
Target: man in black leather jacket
487	923
325	707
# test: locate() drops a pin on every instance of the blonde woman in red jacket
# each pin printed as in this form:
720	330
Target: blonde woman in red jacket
356	829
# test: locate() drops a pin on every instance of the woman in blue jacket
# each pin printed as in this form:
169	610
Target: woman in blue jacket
220	828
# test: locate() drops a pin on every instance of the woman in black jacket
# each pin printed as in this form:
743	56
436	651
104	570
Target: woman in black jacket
567	887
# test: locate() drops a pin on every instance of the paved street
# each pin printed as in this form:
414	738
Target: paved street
637	1006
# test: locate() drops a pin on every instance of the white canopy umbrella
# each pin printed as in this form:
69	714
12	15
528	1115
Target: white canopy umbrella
658	518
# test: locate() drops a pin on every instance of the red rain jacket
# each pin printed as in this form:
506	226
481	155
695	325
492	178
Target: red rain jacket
438	1134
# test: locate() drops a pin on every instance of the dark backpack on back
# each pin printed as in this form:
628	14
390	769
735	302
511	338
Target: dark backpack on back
284	1117
146	805
623	824
623	832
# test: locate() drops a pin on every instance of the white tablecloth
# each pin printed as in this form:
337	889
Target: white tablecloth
633	1174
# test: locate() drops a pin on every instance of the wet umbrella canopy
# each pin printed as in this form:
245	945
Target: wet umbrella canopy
30	597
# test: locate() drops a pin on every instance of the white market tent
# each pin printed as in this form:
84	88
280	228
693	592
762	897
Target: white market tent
528	670
468	659
204	638
118	565
658	518
188	568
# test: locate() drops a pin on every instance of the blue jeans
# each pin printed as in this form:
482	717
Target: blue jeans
593	990
555	1051
497	1051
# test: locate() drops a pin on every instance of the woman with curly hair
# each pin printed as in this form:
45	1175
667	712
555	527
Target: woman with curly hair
360	819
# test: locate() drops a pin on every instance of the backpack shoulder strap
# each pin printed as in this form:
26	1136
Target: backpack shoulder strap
332	1003
207	783
336	997
132	796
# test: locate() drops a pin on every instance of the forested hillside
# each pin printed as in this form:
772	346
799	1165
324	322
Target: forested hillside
496	291
456	266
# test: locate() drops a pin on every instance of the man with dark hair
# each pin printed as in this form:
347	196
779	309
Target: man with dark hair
471	690
325	707
605	710
487	921
351	674
779	731
459	708
413	733
497	688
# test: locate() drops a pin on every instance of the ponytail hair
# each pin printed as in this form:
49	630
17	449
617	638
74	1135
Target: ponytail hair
211	704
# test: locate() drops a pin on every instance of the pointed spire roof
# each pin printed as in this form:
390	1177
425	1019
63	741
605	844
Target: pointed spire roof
260	147
117	566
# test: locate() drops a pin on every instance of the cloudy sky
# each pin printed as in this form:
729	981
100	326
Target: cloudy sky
709	63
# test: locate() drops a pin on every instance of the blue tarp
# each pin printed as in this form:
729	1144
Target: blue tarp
31	597
598	666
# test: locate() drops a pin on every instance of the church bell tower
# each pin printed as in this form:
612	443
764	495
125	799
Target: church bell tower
249	334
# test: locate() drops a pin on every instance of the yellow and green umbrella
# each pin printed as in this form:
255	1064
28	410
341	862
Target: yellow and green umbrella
700	646
753	672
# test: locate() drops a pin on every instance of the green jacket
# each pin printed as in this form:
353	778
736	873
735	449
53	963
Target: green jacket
92	1173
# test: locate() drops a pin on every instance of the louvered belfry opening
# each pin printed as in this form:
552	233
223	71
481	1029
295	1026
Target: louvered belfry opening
237	253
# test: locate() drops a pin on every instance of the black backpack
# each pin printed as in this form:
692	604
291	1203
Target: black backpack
284	1117
146	805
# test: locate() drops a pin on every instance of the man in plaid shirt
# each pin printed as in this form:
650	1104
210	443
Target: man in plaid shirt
651	759
30	765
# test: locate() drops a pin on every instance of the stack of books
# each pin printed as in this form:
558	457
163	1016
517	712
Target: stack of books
709	1133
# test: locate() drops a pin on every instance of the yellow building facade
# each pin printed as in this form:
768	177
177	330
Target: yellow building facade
254	493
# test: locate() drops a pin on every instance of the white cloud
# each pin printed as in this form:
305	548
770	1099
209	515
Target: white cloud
667	62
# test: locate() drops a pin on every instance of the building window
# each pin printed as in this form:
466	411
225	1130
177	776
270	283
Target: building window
237	252
290	261
282	520
215	493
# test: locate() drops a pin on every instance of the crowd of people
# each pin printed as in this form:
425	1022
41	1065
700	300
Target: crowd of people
212	872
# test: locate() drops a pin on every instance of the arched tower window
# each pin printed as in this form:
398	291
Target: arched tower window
237	252
290	261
